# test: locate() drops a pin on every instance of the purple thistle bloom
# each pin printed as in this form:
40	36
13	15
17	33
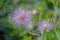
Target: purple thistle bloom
22	16
44	25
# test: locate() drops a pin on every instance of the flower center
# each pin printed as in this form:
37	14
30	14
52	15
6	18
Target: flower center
20	16
44	26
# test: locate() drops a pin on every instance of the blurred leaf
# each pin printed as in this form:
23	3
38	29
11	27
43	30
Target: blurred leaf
27	38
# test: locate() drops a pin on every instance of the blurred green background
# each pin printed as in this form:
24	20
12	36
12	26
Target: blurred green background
48	10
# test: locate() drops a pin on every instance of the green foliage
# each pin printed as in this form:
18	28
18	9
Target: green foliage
48	10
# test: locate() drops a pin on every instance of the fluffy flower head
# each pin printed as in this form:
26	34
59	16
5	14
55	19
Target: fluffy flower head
22	16
44	25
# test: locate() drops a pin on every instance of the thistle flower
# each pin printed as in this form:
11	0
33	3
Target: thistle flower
44	25
22	17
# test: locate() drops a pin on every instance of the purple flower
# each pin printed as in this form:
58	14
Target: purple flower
44	25
22	17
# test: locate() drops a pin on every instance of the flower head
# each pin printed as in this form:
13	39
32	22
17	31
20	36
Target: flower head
22	16
44	25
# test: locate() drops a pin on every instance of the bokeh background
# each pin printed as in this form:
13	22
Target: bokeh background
47	10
